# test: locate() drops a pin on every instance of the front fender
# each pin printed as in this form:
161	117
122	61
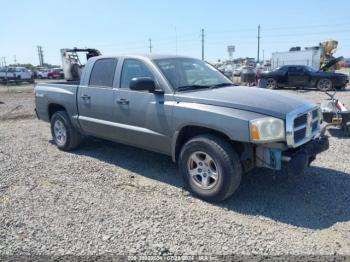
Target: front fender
234	123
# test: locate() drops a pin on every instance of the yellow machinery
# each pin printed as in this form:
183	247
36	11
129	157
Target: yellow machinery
329	48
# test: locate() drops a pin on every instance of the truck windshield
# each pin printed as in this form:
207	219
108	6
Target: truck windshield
189	73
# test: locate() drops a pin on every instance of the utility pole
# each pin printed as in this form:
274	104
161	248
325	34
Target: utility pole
202	35
15	59
150	45
41	55
258	43
7	82
4	61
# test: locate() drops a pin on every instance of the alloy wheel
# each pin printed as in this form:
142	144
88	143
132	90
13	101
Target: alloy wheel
203	170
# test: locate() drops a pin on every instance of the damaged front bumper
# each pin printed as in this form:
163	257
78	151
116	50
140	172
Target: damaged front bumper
295	160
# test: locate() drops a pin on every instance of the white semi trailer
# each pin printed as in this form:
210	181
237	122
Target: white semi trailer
309	57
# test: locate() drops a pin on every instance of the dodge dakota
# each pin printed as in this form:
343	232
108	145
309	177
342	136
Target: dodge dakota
185	108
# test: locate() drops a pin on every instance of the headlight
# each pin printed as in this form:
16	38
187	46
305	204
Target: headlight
267	129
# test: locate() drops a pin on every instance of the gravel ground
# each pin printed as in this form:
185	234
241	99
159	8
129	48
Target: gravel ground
110	198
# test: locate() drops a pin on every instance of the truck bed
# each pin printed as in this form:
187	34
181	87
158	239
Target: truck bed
62	93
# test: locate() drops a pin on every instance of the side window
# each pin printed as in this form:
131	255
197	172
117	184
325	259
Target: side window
299	69
283	69
292	69
102	73
133	68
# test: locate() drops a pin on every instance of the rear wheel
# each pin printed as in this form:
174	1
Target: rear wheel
324	84
63	132
347	129
271	83
210	167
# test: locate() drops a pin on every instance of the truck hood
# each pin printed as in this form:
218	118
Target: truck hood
331	63
258	100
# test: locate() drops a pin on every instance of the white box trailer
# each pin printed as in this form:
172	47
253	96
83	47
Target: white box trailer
310	57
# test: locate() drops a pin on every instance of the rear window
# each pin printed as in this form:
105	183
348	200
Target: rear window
102	73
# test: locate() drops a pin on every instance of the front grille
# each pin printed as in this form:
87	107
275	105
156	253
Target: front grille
300	120
304	125
299	135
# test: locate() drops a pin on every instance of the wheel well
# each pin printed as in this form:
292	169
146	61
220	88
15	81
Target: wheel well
53	108
188	132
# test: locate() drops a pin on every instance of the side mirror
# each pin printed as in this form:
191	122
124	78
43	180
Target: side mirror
143	84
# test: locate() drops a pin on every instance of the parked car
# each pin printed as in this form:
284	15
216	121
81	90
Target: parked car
43	73
303	76
237	70
16	74
56	73
248	75
2	72
187	109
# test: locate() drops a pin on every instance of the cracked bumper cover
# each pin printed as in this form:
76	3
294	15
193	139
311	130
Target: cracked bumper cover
297	161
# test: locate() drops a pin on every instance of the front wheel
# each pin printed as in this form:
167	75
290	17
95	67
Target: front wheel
271	83
63	132
324	84
210	167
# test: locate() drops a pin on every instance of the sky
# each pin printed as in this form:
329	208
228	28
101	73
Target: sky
120	27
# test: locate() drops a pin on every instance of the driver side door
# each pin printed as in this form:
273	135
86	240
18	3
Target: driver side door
297	76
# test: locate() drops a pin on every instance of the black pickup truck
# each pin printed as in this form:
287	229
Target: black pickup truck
303	76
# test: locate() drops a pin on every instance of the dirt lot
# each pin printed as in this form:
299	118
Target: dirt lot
111	198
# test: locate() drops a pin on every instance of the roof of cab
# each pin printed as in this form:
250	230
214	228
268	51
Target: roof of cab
147	56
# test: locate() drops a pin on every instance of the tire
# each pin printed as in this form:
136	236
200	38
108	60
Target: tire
347	129
271	83
324	84
64	134
340	88
214	165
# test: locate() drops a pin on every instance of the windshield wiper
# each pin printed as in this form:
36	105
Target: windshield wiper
191	87
221	85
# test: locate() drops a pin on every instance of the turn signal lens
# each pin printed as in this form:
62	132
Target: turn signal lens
255	133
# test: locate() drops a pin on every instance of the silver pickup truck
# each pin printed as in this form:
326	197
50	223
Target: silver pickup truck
184	108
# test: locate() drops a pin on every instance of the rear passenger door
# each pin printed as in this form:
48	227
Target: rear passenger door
96	99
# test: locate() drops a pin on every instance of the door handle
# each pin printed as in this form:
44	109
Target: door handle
85	97
122	101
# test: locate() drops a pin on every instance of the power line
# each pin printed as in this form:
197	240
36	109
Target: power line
41	55
314	33
308	26
258	43
275	28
